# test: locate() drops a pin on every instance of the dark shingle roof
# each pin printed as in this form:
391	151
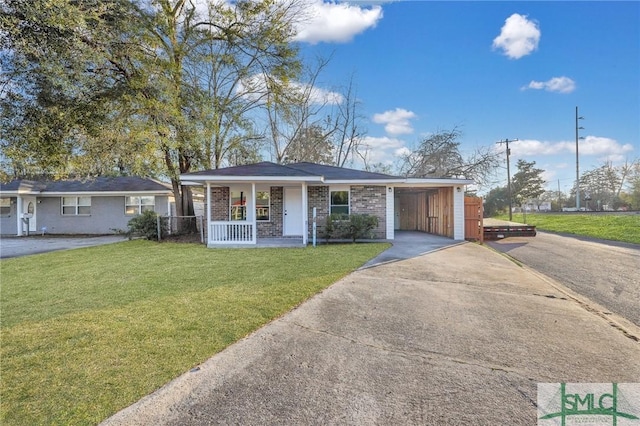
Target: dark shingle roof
100	184
304	169
265	168
339	173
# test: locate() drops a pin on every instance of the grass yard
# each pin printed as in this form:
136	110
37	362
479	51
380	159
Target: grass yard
624	228
88	332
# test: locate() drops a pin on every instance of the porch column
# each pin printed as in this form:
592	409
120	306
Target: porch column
458	212
254	236
391	212
305	215
208	218
19	215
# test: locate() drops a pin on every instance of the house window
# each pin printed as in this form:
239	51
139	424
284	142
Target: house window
5	207
238	209
339	202
138	205
263	199
74	206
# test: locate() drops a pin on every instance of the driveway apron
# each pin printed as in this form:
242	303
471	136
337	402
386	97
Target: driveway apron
24	246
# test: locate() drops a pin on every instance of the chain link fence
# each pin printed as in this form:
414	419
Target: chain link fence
181	228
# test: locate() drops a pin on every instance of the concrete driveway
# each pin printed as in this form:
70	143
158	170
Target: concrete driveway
458	336
24	246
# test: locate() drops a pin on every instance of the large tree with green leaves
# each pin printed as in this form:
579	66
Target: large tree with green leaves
496	201
527	183
117	81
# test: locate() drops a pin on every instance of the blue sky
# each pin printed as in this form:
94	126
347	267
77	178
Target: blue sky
495	69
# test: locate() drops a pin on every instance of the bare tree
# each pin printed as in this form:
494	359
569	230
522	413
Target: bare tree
439	156
293	109
310	144
349	131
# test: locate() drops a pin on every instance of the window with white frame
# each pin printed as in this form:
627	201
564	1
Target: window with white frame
74	206
238	208
5	207
139	204
263	200
339	202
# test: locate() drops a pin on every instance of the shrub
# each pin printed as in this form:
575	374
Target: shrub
359	226
146	225
349	226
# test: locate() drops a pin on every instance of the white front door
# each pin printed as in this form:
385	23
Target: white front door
292	211
29	210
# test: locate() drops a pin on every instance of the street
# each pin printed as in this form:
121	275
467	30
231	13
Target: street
607	273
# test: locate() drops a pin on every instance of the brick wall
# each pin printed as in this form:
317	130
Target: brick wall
371	200
318	197
273	228
220	203
364	199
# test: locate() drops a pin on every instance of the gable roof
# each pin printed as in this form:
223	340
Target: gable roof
94	185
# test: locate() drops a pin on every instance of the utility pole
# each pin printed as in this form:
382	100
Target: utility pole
577	160
506	141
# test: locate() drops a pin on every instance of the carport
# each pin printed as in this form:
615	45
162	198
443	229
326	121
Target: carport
424	209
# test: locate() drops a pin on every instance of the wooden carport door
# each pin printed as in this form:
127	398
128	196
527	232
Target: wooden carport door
408	206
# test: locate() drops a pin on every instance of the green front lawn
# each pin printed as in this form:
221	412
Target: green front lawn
624	228
88	332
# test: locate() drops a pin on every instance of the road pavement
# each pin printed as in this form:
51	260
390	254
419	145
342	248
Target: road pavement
606	272
461	335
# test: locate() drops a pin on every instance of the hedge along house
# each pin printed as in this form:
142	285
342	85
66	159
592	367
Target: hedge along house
246	204
102	205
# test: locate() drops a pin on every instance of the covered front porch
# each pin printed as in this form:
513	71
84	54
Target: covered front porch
257	214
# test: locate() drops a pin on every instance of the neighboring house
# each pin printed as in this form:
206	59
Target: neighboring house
265	200
102	205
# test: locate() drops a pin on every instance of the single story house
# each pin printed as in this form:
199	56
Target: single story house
244	204
102	205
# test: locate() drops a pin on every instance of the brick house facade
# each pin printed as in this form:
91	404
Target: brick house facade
364	199
399	203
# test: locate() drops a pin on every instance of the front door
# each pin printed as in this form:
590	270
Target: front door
29	211
292	211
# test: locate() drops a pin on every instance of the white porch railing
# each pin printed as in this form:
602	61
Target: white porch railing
231	233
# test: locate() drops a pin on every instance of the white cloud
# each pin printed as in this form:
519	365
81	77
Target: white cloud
518	36
255	86
383	149
591	145
402	152
318	95
381	143
396	122
556	84
335	22
594	145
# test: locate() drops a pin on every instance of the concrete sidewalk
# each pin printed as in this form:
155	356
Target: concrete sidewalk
458	336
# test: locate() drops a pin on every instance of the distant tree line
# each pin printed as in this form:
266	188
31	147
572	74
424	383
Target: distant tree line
603	188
